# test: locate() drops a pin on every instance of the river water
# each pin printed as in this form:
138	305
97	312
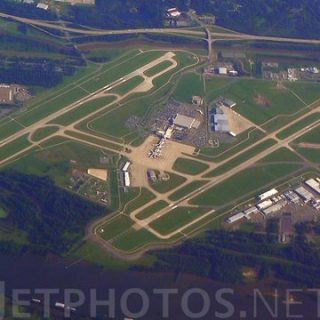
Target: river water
51	272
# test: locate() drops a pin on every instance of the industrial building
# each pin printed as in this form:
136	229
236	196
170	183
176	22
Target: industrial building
42	6
313	185
265	204
275	207
268	194
126	179
224	102
238	216
304	194
292	196
219	121
173	13
185	122
126	166
6	94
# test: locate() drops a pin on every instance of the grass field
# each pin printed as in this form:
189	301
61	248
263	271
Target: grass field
246	93
312	155
102	143
83	110
158	68
44	132
177	218
13	147
192	186
244	184
298	126
191	84
149	211
192	167
165	186
310	137
281	155
58	160
132	240
307	91
127	86
142	198
115	227
3	213
241	158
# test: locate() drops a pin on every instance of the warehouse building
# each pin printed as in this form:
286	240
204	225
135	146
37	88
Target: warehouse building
292	196
268	194
304	194
314	185
6	94
275	207
237	217
224	102
219	121
185	122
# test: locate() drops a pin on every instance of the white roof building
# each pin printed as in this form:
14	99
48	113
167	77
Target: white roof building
186	122
265	204
268	194
174	13
238	216
314	185
42	6
126	166
304	194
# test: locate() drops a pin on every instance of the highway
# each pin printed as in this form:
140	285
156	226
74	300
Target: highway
215	36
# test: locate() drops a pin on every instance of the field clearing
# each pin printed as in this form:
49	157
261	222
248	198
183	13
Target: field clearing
245	93
13	147
158	68
149	211
176	219
281	155
44	132
114	227
241	158
298	125
83	110
165	186
188	166
9	128
244	184
184	191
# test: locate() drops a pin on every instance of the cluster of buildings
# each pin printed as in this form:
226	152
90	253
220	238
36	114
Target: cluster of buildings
178	123
126	181
10	94
272	71
273	201
222	69
39	5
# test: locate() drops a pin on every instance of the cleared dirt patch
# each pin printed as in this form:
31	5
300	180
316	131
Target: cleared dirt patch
263	101
237	122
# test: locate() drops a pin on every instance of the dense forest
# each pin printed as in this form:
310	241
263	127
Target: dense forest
221	255
52	218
